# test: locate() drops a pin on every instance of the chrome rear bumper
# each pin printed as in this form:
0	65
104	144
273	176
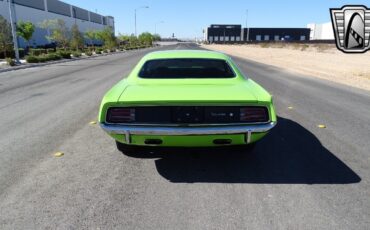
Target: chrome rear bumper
183	131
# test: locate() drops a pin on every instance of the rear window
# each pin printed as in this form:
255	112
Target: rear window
186	68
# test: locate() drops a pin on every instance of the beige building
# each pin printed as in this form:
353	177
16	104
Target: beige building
37	11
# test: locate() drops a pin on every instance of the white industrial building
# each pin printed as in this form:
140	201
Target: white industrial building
36	11
321	31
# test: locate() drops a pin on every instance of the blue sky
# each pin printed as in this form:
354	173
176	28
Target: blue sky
187	18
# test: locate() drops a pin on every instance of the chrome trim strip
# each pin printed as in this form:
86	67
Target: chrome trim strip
127	136
180	131
186	125
249	135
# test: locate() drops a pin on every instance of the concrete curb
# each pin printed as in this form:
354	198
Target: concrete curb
26	66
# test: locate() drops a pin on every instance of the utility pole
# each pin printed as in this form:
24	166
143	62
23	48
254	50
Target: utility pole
246	24
74	14
15	40
135	24
246	18
143	7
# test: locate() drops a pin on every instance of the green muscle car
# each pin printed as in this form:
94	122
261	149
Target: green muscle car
186	98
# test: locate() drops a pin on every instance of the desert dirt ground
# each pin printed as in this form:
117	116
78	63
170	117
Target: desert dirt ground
317	60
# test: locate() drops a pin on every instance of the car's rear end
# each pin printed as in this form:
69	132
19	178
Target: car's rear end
166	104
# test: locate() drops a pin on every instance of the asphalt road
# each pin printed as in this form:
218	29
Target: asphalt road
298	177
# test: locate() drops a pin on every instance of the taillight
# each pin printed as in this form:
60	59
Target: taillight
254	114
120	115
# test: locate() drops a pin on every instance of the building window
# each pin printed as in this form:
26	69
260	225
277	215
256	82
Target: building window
226	38
221	38
267	37
303	38
232	38
277	38
258	37
286	38
210	39
216	39
238	38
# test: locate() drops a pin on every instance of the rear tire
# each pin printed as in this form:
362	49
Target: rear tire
245	148
137	151
250	147
125	148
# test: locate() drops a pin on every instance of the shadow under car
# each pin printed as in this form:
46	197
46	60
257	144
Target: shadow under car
289	154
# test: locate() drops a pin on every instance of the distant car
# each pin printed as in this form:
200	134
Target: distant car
186	98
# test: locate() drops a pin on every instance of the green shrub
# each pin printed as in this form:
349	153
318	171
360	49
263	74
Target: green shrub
88	53
63	49
76	54
98	52
43	58
53	57
50	50
37	52
64	54
10	61
32	59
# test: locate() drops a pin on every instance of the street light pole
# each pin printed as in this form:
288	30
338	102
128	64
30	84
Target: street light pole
135	24
143	7
74	15
15	40
246	19
246	24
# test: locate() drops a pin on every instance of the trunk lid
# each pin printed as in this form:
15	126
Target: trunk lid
188	94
